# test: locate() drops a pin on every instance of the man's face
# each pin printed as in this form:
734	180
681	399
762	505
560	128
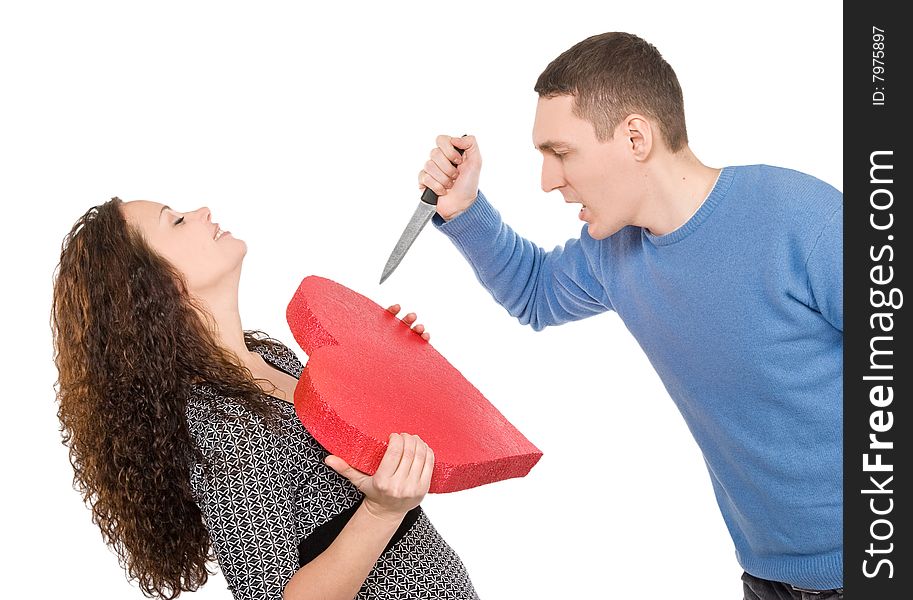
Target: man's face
601	176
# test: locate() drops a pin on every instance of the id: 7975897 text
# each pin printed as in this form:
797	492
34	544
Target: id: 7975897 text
878	62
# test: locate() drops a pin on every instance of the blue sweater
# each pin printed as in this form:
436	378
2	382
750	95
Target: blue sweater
740	311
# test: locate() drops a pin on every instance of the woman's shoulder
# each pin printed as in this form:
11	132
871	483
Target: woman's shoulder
274	351
211	410
208	407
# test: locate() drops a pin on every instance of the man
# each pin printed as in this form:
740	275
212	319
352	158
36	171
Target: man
730	279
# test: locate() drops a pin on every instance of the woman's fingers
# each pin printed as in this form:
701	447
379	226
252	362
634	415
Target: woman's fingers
420	329
418	461
408	455
392	457
403	478
427	470
410	320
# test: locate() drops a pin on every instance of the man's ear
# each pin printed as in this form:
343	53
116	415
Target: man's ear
639	133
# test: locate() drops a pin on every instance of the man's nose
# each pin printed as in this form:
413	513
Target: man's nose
552	174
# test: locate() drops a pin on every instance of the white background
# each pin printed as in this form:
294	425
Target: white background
303	129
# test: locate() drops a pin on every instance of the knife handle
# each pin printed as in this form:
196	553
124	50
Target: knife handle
428	196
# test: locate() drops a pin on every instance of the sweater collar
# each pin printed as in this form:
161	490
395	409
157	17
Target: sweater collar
710	202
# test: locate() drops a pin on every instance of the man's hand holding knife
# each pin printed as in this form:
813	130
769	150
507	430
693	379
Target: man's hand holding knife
453	177
450	181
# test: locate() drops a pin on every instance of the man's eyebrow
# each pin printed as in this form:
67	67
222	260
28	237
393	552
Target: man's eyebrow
550	145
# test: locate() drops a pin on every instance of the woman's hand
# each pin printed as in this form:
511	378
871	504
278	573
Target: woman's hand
409	319
400	482
398	486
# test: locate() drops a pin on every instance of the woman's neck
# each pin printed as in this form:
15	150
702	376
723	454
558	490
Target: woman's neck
225	319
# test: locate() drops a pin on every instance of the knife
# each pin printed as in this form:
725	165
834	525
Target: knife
423	213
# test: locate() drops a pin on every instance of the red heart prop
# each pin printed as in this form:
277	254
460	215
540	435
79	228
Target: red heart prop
368	375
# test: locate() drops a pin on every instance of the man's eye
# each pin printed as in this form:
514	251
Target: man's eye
179	221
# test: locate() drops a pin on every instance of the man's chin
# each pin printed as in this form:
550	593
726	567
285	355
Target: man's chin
599	232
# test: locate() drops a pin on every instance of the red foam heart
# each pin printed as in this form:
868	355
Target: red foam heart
368	375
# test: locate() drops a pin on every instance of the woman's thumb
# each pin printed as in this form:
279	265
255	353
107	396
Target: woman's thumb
338	465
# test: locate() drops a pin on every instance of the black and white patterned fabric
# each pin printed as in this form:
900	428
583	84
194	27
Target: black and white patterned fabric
263	492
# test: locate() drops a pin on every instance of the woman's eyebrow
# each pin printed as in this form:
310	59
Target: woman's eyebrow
164	208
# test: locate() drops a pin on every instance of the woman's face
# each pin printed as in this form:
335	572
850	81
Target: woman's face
190	241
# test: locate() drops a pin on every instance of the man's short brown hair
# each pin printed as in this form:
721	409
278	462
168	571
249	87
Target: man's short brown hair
612	75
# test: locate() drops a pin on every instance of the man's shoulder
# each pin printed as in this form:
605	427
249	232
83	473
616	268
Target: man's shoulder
781	189
782	179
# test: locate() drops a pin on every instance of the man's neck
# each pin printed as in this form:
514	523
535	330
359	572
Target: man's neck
679	184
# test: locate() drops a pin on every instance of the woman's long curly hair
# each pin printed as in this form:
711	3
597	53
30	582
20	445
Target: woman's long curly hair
128	343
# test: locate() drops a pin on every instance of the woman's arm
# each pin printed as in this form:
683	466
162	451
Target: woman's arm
246	499
398	486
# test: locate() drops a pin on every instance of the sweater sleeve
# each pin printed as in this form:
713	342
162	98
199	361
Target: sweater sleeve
247	504
825	270
538	287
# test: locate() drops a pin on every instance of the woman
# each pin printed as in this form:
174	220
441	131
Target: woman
184	439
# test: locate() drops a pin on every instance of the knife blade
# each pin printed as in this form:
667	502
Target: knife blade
423	212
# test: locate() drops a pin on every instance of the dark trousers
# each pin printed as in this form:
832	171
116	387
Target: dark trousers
755	588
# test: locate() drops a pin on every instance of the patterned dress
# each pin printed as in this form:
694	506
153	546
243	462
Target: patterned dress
271	505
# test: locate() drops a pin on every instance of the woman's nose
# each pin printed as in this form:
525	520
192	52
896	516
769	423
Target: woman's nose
204	213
